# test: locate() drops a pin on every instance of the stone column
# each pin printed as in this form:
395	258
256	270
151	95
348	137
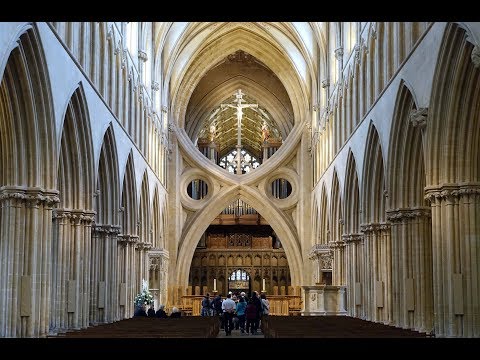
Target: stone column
132	288
412	268
71	268
104	269
158	262
378	272
456	269
353	256
25	260
126	277
338	268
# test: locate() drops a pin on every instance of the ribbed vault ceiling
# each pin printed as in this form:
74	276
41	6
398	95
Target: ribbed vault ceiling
195	51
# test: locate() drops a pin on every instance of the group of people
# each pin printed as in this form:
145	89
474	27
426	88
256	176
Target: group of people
237	312
160	313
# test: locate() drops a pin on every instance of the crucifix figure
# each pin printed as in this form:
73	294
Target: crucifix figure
239	106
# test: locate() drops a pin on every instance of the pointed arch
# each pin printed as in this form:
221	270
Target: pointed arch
324	232
107	199
374	179
27	183
144	212
129	207
336	210
75	164
27	127
351	198
406	161
410	218
156	220
453	131
315	220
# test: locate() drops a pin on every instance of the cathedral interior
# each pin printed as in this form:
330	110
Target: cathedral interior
334	166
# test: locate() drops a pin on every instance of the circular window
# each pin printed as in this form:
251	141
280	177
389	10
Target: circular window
197	189
281	188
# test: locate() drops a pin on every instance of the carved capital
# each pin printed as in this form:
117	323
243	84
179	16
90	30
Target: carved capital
419	117
356	53
325	83
32	197
317	250
339	53
118	47
106	229
451	192
142	55
374	227
476	56
349	238
401	214
155	86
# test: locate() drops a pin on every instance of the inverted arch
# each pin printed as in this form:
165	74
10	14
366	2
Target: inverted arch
278	221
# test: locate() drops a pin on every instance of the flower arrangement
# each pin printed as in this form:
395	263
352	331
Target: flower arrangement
145	297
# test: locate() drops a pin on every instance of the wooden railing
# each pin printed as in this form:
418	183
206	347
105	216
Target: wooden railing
279	305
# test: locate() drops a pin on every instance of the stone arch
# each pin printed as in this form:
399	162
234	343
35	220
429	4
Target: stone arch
352	238
406	181
324	230
73	218
315	220
227	43
336	216
410	217
107	194
129	199
156	221
104	254
28	151
336	210
453	174
75	165
202	218
144	211
351	198
377	243
27	183
374	179
452	118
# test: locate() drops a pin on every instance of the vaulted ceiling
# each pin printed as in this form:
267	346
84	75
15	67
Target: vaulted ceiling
203	64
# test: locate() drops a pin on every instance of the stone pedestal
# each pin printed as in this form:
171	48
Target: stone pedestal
324	300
